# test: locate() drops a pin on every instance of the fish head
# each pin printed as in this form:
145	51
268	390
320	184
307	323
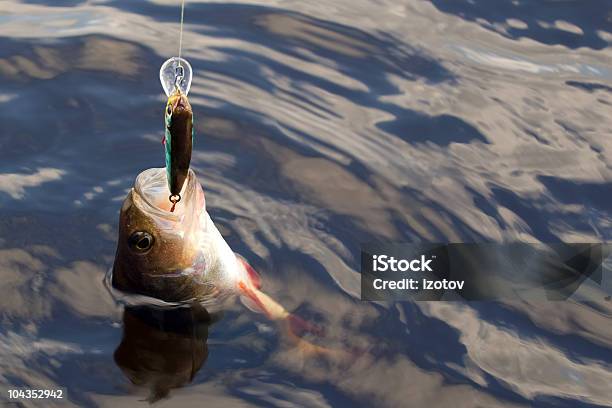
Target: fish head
159	252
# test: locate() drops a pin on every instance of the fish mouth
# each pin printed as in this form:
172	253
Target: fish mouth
151	187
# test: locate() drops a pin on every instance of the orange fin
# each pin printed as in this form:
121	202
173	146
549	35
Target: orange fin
250	299
254	277
259	302
294	326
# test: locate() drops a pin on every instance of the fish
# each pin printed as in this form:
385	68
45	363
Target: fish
173	256
181	257
178	141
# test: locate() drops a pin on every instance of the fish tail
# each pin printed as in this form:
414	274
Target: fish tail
294	327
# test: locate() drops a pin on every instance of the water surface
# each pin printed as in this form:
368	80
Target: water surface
319	126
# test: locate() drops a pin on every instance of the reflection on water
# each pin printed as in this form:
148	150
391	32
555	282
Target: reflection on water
163	349
319	126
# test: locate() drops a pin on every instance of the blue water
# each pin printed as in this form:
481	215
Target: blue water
319	126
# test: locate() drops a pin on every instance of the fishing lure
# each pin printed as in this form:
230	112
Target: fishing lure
175	76
178	143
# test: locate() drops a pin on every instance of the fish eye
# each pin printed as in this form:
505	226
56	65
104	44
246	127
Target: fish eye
140	241
169	110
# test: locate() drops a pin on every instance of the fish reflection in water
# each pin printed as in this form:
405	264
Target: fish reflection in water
163	349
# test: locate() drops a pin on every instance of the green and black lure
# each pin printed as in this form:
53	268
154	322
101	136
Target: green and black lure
178	142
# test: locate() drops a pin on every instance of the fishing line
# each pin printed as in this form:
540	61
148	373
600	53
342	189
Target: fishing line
180	72
175	76
181	30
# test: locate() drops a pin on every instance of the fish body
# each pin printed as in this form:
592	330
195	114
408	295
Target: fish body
178	140
174	256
